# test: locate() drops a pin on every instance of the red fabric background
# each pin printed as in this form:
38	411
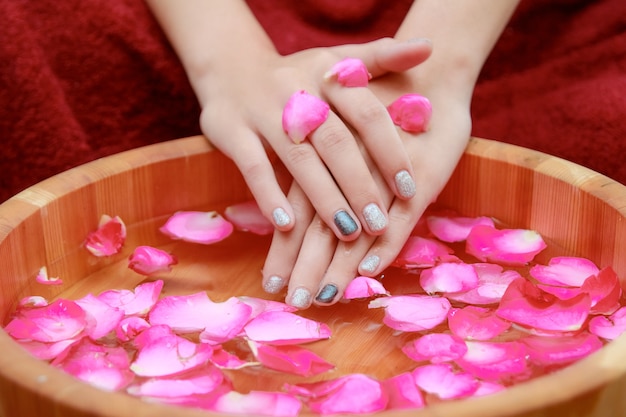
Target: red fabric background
81	79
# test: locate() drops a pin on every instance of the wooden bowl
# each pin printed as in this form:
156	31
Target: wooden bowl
581	212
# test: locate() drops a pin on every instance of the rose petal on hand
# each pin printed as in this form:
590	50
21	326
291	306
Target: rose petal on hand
411	112
108	238
412	313
146	260
364	287
197	227
302	114
350	72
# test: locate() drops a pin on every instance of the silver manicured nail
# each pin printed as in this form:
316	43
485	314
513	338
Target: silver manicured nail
280	216
374	217
301	298
405	184
274	284
370	263
345	223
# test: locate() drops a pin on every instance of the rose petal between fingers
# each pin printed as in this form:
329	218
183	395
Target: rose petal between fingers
302	114
350	72
411	112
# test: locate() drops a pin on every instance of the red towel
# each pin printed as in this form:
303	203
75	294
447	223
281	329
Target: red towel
81	79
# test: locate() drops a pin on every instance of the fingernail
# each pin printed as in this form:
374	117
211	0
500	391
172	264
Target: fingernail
301	298
327	294
374	217
345	223
274	284
370	263
405	184
280	216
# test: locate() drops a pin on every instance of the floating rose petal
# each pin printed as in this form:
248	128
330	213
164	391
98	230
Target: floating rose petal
101	317
611	327
444	382
435	348
495	361
421	252
291	359
108	238
47	351
203	380
285	328
134	303
32	301
557	351
492	283
57	321
247	217
168	354
146	260
197	227
350	72
508	246
353	393
43	278
476	323
412	313
449	277
402	392
411	112
364	287
129	327
488	388
223	359
455	228
564	271
302	114
274	404
260	305
525	304
102	366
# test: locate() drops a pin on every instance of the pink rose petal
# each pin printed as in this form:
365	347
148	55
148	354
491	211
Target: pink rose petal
247	217
411	112
495	361
412	313
101	317
108	238
442	381
47	351
449	277
421	252
289	358
223	359
506	246
402	392
557	351
455	228
435	348
488	388
129	327
134	303
43	278
364	287
476	323
611	327
350	72
605	291
285	328
302	114
57	321
492	283
146	260
564	271
32	301
273	404
197	227
202	380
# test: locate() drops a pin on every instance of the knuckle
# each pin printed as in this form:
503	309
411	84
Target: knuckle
331	139
370	113
299	154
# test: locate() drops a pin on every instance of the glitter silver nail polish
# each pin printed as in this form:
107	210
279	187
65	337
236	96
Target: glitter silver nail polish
405	184
345	223
374	217
327	294
274	284
301	298
280	216
370	263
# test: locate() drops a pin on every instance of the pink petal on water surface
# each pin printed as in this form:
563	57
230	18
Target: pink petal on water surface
146	260
421	252
134	303
31	301
364	287
402	392
302	114
202	380
525	304
455	228
412	313
129	327
554	351
43	277
605	291
611	327
505	246
564	271
57	321
476	323
223	359
350	72
488	388
47	351
285	328
261	305
101	317
449	277
290	358
444	382
197	227
108	238
411	112
492	283
247	217
435	348
353	393
495	361
273	404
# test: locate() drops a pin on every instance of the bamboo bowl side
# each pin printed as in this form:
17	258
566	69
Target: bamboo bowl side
580	211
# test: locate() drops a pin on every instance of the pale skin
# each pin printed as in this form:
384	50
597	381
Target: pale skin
242	84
